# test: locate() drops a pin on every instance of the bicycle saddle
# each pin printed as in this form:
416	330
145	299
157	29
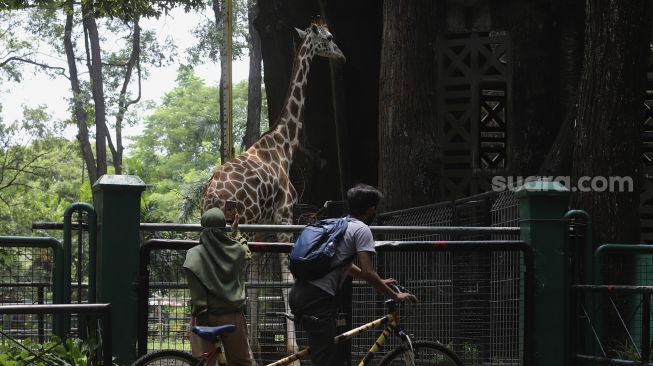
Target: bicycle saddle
211	333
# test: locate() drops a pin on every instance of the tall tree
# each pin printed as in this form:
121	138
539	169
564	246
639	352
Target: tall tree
252	131
536	115
409	166
571	17
610	114
106	88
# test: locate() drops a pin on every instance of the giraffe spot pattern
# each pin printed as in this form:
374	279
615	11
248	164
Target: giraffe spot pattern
294	108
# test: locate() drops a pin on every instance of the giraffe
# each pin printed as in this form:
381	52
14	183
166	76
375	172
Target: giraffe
259	179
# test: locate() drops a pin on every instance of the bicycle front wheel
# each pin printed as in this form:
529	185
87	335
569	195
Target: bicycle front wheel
426	354
167	358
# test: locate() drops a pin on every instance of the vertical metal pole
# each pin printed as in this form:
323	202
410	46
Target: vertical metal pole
40	299
228	30
541	208
646	327
108	336
80	256
143	295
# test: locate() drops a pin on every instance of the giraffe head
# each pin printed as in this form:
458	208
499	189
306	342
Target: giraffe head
321	40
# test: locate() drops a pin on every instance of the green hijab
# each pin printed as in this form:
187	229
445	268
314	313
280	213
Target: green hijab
219	262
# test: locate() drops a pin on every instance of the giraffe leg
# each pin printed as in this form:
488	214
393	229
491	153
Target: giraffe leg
255	271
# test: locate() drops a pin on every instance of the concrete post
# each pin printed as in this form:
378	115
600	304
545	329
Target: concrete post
541	208
117	199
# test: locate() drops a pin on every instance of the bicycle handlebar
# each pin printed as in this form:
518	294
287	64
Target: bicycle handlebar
397	288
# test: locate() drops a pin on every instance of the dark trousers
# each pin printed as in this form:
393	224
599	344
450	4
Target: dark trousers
316	311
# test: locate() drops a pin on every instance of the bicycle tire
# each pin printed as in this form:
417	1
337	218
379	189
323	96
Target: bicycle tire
167	357
426	353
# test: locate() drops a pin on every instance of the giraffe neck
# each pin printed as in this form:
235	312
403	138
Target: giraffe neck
291	119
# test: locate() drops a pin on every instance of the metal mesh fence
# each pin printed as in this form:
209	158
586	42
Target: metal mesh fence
26	277
474	310
168	301
497	209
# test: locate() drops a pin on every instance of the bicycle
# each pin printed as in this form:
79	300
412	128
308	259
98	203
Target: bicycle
409	353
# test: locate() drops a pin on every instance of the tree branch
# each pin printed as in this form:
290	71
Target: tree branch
61	70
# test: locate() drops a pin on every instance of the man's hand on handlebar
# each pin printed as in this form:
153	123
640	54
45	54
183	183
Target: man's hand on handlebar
400	291
405	296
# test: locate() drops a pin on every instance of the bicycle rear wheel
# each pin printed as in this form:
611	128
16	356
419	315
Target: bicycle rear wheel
167	358
426	354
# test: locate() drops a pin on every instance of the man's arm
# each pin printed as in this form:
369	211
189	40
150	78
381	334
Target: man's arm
236	235
366	272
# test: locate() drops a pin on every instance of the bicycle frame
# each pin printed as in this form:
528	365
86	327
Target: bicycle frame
207	359
390	321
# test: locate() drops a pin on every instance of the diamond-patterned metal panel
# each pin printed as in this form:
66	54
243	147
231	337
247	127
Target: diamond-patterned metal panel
473	97
646	198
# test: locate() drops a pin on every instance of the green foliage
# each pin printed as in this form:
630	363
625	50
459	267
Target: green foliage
210	40
40	176
120	9
72	352
625	351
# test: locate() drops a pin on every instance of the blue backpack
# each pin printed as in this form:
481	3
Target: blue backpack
310	257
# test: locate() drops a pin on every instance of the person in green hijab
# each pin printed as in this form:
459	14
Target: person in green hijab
215	271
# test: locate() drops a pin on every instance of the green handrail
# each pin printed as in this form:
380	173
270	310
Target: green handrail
587	249
92	243
629	248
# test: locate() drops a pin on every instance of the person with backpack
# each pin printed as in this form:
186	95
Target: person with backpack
215	272
315	302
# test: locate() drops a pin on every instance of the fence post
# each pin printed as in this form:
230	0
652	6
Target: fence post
541	208
118	199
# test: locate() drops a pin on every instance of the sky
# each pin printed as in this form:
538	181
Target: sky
37	89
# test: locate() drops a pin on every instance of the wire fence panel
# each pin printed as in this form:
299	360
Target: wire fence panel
474	309
26	278
168	301
470	300
490	209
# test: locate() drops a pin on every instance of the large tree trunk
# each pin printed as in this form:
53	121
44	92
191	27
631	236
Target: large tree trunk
123	103
79	112
409	166
253	127
558	160
536	116
610	114
97	87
